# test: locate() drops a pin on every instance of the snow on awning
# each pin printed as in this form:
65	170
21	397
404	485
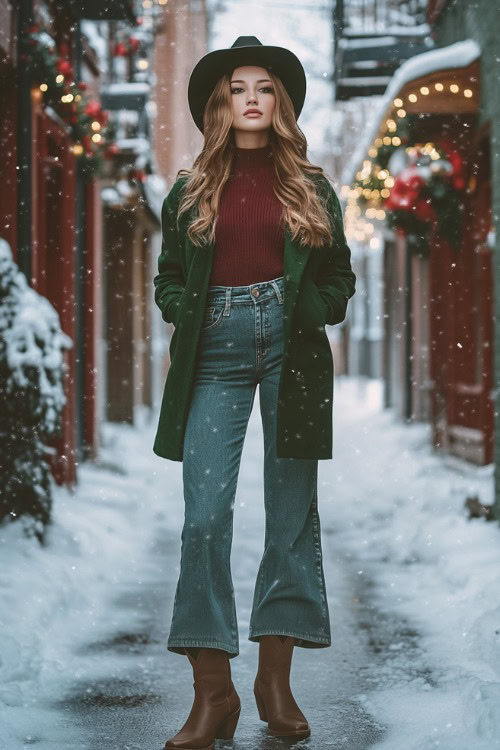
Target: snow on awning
427	79
155	190
131	95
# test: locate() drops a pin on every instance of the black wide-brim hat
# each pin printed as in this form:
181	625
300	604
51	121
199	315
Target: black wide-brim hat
246	50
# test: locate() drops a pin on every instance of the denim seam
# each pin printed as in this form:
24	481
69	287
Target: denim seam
234	615
193	641
306	636
317	544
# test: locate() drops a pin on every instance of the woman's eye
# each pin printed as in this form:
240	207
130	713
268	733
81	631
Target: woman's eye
263	88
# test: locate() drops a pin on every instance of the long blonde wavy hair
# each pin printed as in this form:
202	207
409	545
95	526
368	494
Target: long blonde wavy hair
304	209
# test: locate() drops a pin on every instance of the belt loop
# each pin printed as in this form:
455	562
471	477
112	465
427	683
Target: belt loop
227	307
277	290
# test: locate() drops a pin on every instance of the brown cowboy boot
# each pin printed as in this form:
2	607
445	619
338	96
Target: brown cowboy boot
216	708
273	695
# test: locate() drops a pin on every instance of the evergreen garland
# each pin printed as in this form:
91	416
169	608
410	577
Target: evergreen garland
47	64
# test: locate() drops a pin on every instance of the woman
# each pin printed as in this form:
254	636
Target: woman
254	264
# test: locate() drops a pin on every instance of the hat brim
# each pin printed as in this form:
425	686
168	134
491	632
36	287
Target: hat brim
213	65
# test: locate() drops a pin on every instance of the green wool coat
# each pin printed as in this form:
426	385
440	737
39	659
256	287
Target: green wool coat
318	283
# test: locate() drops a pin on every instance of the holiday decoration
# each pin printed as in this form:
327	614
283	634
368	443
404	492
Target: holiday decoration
427	194
127	46
51	69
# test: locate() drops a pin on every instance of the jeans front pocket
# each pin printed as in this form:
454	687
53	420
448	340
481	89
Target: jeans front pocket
212	317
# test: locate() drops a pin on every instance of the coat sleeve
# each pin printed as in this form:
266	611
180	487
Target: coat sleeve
169	282
336	279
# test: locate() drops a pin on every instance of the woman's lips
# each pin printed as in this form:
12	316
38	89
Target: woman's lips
253	114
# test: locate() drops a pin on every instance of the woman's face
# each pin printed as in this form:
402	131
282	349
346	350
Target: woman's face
251	88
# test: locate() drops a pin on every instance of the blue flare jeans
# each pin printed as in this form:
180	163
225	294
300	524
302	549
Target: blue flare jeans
241	345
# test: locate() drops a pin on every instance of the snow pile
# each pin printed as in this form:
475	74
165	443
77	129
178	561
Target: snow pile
32	395
56	597
401	513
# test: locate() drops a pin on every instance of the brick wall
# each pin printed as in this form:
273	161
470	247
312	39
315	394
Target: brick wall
178	48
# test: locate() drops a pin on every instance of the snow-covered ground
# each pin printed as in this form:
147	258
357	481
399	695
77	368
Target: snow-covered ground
393	506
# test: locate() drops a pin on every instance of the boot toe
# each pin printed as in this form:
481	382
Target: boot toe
284	726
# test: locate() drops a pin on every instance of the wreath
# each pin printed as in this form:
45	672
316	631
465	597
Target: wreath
428	194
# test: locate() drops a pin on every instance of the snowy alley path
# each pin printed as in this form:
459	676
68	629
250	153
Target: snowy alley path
412	590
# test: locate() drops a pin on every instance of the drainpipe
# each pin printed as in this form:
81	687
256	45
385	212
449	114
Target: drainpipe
80	237
24	137
409	333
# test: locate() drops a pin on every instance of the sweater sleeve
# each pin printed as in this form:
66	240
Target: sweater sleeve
169	282
337	280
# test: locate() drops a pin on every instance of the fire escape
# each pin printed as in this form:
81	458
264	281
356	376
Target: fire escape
372	39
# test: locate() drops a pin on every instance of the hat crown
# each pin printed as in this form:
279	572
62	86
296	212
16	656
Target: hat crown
246	41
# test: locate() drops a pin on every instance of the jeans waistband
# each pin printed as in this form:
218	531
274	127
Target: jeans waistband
249	292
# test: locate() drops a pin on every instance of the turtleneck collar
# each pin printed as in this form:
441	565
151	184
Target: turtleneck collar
253	157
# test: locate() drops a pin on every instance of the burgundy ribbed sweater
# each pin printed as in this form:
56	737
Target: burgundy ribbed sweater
249	235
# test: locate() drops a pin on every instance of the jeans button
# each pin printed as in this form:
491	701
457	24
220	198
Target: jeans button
255	292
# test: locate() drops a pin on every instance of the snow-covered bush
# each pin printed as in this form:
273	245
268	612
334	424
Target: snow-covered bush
31	393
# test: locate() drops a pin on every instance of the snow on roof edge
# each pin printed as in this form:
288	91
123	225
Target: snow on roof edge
456	55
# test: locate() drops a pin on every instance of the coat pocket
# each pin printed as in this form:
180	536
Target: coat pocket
175	307
321	305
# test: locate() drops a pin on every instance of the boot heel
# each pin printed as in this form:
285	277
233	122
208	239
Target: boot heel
260	705
226	730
